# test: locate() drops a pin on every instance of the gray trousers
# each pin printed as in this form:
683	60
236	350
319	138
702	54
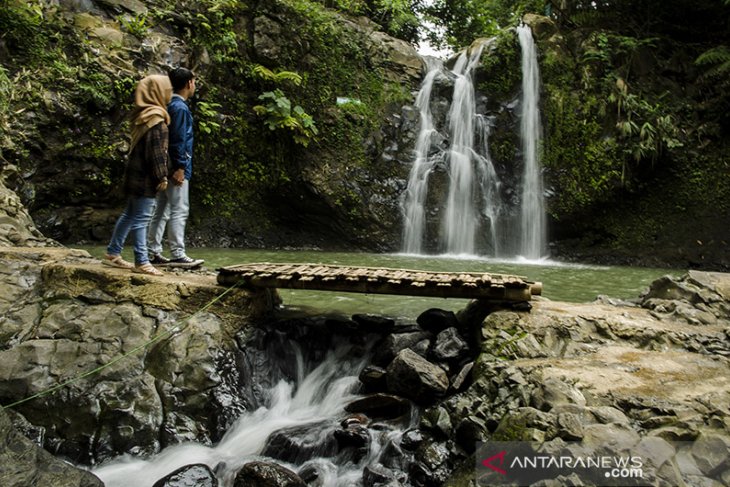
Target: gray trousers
173	207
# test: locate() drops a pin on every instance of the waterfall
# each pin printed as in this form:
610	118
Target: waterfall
475	218
459	225
472	201
532	212
414	208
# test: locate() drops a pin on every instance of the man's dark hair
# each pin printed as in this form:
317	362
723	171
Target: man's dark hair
179	77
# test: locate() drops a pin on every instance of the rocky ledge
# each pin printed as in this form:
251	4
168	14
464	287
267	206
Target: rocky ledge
649	374
63	314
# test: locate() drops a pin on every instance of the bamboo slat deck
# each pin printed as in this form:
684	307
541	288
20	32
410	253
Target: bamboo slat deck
372	280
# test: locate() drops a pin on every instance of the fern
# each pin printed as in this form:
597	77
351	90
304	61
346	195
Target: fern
266	74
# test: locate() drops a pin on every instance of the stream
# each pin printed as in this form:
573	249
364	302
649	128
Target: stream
303	392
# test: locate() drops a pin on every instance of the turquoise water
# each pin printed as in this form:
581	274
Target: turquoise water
561	281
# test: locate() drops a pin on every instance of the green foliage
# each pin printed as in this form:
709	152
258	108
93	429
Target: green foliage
21	29
396	17
643	127
137	25
504	80
459	22
279	114
266	74
207	117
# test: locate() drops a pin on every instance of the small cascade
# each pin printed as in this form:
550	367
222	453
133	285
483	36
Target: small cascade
293	421
533	234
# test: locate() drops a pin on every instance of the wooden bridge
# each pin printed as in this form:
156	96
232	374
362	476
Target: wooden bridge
371	280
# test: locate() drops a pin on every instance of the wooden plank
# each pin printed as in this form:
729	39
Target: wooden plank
375	280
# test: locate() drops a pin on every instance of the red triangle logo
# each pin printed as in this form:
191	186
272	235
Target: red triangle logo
499	456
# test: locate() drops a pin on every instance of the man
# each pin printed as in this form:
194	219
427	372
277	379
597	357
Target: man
173	205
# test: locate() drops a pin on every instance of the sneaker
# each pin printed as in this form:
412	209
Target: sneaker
185	262
158	259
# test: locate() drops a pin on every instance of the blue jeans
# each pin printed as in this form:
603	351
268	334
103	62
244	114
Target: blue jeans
134	219
173	207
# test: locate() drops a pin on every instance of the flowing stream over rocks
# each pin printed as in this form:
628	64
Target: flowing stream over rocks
299	391
240	397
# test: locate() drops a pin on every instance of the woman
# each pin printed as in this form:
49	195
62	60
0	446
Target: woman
146	173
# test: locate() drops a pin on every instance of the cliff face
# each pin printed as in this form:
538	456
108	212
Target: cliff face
306	127
320	162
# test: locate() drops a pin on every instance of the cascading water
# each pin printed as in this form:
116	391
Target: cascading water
532	212
417	190
472	177
459	224
310	402
476	218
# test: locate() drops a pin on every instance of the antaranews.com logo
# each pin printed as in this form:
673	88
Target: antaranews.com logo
571	463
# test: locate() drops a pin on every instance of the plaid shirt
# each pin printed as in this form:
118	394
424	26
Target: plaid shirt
147	165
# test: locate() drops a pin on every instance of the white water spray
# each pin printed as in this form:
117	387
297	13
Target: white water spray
533	235
320	396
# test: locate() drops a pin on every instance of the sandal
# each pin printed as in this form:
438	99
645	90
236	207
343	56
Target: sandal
148	269
116	261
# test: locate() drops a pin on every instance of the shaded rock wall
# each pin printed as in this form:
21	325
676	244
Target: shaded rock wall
22	463
64	315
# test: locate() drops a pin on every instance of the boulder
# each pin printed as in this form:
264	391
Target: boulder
198	475
380	406
266	474
414	377
449	346
24	464
297	444
436	320
394	343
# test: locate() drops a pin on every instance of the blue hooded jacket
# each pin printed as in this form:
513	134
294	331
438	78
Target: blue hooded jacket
181	136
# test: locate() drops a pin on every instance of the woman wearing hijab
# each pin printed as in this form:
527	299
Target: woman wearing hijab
146	173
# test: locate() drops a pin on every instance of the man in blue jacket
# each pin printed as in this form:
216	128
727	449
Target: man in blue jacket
173	205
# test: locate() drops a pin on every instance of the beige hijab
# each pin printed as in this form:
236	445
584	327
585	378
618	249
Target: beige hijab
150	105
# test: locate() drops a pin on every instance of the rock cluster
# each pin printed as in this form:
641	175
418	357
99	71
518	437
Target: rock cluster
64	317
651	376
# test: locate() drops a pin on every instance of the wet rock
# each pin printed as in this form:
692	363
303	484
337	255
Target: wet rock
24	464
373	378
436	320
297	444
84	315
353	433
432	467
449	346
393	344
412	439
414	377
380	406
377	474
265	474
198	475
312	475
